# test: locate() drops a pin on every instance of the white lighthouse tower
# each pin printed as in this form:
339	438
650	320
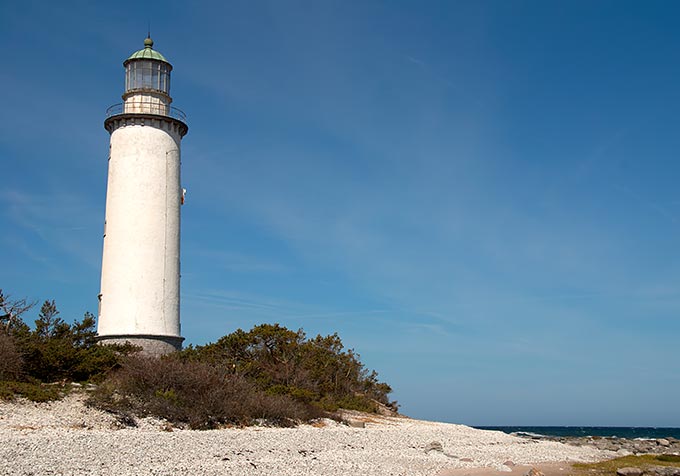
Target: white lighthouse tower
139	299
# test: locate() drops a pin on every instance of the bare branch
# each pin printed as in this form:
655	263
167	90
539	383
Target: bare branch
11	310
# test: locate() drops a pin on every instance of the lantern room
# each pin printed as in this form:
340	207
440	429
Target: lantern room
147	82
147	70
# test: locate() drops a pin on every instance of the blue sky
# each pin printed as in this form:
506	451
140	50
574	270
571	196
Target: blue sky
480	197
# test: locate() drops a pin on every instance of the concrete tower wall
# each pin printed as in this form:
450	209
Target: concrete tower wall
139	298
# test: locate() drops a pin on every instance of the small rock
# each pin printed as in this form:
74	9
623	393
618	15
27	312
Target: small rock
509	463
434	446
534	472
663	442
467	460
356	424
629	472
662	471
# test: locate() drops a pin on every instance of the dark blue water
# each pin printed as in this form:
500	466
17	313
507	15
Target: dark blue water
617	431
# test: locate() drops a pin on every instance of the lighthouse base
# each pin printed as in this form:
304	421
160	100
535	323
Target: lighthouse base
151	344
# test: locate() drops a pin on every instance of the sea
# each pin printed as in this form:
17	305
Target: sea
630	432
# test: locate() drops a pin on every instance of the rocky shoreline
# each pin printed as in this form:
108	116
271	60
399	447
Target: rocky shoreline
621	446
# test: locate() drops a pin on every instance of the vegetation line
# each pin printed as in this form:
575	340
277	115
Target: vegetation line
268	374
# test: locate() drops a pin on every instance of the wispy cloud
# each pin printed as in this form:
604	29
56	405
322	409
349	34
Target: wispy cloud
657	207
415	60
239	301
334	314
59	220
234	262
431	71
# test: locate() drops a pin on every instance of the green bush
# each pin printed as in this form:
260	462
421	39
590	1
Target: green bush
34	391
197	394
57	351
669	458
10	360
284	362
51	351
269	372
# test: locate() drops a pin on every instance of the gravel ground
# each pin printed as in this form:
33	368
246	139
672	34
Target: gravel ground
66	438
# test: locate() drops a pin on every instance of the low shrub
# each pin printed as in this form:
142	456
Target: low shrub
34	391
196	394
51	351
10	360
318	371
55	350
269	372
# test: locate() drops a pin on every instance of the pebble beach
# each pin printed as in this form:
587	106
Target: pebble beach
68	438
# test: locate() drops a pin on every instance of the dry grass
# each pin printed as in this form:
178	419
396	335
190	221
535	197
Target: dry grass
609	467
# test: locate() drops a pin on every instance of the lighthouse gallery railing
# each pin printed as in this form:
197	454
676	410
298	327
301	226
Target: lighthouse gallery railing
146	108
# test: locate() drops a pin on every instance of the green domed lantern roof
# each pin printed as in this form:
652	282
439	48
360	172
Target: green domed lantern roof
147	53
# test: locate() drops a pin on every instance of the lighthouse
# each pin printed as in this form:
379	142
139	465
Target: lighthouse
139	297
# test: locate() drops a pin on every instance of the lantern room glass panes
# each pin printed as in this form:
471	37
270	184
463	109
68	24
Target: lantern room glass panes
145	74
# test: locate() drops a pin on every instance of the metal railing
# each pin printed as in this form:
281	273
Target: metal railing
146	108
